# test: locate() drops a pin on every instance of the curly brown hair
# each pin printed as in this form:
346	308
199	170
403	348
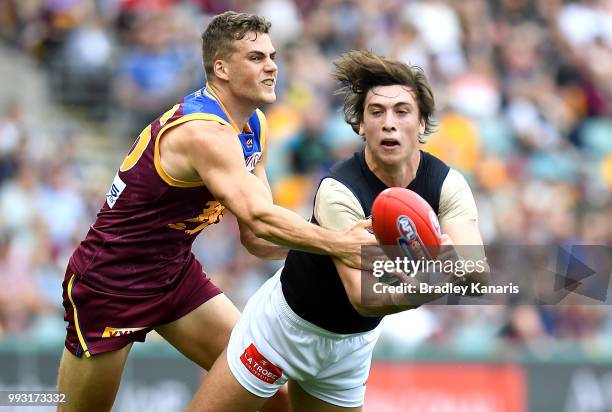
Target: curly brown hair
225	28
359	71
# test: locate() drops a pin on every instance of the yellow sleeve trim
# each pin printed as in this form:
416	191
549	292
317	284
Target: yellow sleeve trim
157	157
76	318
263	128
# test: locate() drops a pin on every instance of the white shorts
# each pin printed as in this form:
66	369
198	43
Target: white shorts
271	344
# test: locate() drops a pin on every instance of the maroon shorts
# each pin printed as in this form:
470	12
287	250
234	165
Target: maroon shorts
101	322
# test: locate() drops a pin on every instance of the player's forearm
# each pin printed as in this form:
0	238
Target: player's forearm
264	249
288	229
261	248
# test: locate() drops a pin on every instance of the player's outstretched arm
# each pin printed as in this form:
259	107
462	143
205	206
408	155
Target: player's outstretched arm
256	246
263	249
216	155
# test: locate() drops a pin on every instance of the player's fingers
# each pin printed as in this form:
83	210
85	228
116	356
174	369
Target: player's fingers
368	238
366	224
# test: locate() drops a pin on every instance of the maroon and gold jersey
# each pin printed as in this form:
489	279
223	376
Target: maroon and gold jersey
141	240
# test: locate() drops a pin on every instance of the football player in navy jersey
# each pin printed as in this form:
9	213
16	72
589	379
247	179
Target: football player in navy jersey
135	271
308	325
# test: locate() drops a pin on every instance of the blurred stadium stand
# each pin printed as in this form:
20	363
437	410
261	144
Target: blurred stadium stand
525	113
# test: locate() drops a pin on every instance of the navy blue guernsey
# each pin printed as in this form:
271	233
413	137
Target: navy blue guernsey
311	284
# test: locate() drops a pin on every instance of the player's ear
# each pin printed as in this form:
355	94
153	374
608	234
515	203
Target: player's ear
422	127
220	69
361	131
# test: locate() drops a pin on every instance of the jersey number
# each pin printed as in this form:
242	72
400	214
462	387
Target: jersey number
137	150
143	141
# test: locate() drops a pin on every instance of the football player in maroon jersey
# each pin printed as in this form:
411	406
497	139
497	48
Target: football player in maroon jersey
135	271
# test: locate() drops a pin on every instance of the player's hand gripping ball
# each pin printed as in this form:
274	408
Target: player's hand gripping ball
403	221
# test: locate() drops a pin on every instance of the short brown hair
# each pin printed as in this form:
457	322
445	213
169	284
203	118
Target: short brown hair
225	28
360	71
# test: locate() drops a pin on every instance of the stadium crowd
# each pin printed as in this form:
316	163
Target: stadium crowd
524	112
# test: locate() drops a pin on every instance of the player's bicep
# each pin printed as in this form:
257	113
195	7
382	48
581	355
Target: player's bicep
217	156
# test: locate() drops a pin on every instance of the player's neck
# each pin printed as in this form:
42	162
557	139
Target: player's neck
238	111
400	175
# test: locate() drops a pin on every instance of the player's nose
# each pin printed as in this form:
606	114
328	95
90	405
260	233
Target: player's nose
389	122
271	66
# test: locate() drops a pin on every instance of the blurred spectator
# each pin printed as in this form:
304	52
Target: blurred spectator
152	71
18	205
87	62
307	150
12	139
62	208
439	27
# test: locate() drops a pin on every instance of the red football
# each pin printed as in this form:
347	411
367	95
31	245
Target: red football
402	218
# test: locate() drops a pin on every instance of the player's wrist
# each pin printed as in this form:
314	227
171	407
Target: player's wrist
334	243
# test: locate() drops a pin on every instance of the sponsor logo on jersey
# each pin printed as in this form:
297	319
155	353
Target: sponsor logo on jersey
252	160
249	143
434	221
115	191
259	366
116	332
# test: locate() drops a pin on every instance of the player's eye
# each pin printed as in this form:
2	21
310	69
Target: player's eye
255	58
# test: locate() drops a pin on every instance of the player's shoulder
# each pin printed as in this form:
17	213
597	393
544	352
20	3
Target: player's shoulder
455	182
348	171
433	166
456	198
203	130
455	177
331	185
334	192
346	165
200	138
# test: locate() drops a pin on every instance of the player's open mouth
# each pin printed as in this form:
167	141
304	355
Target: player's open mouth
389	143
268	82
